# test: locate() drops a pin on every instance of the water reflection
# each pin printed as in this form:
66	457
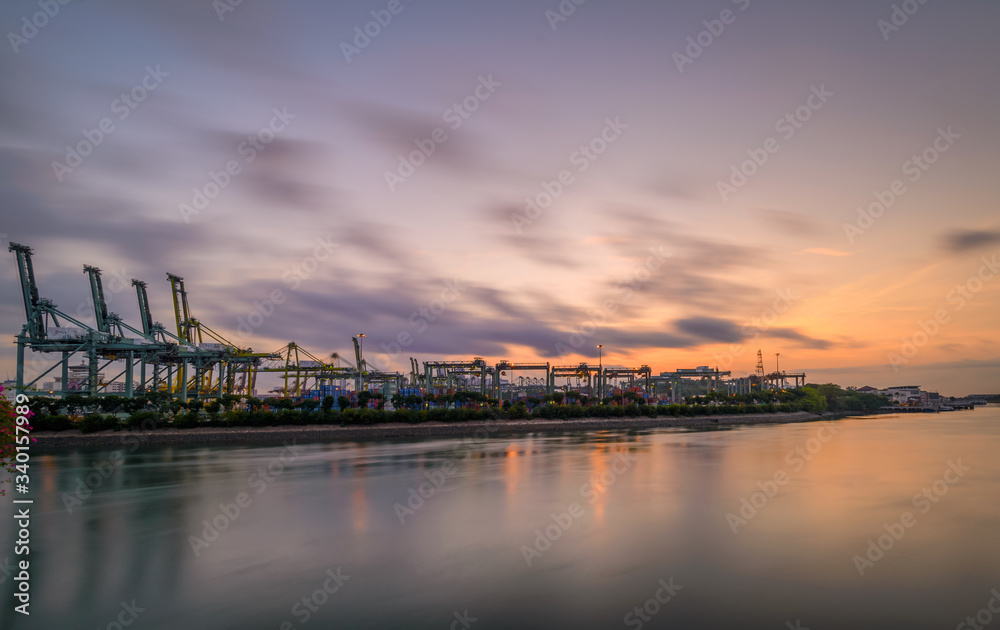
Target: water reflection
650	505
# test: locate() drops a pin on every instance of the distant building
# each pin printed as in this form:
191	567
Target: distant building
904	394
867	389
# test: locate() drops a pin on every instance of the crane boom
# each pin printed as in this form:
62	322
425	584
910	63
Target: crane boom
144	312
97	293
34	316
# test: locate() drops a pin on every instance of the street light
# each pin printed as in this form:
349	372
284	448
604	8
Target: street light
600	371
361	360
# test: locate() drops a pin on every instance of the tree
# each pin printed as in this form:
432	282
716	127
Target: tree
75	404
813	401
309	404
343	402
229	401
363	398
328	403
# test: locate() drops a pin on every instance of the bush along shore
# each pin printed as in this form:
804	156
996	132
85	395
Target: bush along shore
111	413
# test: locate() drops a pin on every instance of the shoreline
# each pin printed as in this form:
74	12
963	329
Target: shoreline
228	436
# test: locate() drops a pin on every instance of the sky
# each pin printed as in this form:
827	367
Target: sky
682	183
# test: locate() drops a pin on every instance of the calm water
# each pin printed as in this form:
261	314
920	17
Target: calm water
631	509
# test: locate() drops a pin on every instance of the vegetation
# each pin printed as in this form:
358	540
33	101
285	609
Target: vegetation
157	411
8	437
839	399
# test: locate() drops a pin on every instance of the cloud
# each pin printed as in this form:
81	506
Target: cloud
804	340
794	223
963	240
823	251
710	328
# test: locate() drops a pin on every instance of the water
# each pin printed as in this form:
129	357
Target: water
659	514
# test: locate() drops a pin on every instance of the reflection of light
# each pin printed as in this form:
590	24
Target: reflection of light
51	471
359	510
598	464
511	470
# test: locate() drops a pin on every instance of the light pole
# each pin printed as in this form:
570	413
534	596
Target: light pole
777	368
361	360
600	371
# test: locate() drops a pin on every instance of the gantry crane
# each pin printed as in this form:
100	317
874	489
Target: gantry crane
503	367
297	364
447	370
220	353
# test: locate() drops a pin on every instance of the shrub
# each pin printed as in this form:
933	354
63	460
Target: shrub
145	420
52	423
186	420
94	422
288	416
518	411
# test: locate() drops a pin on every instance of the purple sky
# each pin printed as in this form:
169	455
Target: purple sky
650	246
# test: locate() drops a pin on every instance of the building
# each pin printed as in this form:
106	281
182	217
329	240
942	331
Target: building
904	394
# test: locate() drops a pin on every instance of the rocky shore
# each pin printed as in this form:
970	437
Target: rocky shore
217	436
